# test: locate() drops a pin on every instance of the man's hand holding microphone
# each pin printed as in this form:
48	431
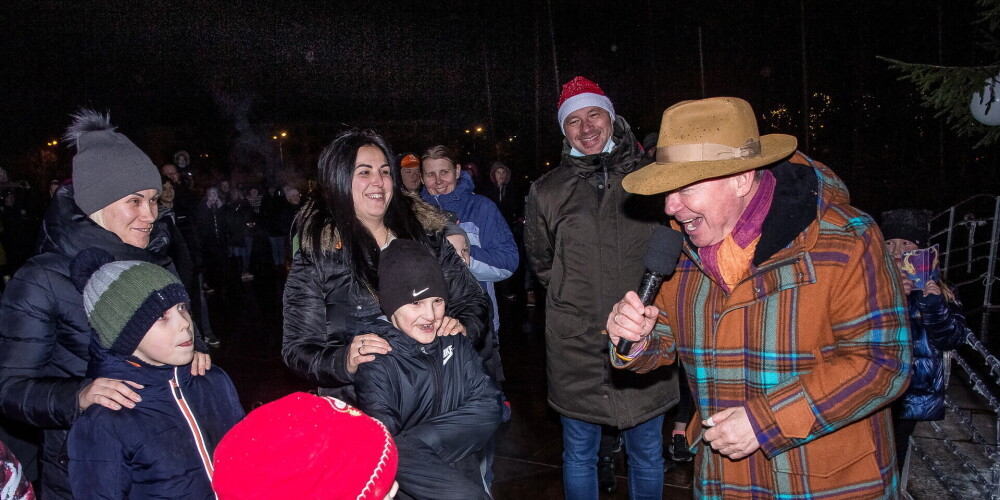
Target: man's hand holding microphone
632	319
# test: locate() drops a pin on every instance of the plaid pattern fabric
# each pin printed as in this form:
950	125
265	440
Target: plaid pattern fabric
813	344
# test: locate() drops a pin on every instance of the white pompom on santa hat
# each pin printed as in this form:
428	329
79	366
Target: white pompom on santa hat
580	93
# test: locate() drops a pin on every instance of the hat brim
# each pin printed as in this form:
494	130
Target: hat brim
662	177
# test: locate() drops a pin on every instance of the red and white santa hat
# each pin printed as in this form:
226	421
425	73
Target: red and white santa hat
581	93
305	446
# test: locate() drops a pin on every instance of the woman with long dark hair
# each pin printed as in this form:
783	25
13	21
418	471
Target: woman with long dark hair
330	301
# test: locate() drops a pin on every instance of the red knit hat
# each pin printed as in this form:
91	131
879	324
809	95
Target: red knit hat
305	446
580	93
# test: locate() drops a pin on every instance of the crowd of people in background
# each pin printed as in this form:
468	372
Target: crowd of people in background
392	266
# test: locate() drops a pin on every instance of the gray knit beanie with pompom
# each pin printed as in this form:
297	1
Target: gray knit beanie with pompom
107	166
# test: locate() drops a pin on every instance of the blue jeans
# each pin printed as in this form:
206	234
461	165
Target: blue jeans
643	446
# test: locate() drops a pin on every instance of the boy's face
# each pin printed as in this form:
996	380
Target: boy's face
170	340
461	245
420	319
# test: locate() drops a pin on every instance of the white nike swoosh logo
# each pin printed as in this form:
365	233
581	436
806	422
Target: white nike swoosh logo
421	291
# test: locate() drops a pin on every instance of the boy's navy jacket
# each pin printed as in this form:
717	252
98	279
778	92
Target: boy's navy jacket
150	451
437	393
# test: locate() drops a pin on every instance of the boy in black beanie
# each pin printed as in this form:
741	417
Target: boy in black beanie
430	391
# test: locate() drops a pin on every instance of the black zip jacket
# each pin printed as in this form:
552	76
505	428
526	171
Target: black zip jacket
935	326
438	403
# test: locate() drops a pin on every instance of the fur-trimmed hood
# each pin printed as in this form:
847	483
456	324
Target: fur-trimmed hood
432	219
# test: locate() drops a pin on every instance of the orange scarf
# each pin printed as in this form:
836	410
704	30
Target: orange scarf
731	260
734	262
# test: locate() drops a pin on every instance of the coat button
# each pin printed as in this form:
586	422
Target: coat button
756	290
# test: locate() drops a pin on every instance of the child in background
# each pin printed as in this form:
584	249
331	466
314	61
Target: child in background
936	325
460	240
491	351
430	391
160	447
309	447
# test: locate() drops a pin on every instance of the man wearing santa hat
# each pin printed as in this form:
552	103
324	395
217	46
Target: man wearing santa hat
585	238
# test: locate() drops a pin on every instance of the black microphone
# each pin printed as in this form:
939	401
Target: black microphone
661	258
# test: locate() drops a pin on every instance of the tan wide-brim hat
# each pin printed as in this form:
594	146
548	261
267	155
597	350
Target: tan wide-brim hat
706	139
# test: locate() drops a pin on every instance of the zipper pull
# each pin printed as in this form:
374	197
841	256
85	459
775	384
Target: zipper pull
176	387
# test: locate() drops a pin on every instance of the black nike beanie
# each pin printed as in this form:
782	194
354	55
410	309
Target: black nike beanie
407	272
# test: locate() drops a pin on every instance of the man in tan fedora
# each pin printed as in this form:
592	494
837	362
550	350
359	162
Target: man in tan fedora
784	309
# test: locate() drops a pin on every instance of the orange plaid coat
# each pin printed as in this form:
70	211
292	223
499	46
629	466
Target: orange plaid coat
814	344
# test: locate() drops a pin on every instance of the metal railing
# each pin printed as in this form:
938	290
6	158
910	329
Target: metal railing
969	234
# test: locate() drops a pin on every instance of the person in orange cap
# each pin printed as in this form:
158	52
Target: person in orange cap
409	169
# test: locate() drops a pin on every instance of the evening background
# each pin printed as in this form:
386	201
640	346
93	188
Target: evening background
221	79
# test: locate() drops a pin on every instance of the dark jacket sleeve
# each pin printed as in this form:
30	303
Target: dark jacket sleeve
378	393
29	316
97	460
945	325
311	347
539	244
455	434
467	302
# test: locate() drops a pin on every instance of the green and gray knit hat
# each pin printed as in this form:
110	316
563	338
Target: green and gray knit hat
123	299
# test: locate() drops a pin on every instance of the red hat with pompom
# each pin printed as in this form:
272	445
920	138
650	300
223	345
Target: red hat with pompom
305	446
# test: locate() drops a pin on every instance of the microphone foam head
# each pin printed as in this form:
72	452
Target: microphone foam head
664	250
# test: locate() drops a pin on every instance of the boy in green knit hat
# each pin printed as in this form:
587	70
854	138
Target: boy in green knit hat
142	333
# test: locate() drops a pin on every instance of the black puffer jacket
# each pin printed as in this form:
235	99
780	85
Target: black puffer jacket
586	237
324	308
439	405
44	333
438	393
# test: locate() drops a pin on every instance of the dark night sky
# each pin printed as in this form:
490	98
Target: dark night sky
159	65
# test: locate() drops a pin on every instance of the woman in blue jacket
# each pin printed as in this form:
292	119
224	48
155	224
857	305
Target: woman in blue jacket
494	253
936	325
